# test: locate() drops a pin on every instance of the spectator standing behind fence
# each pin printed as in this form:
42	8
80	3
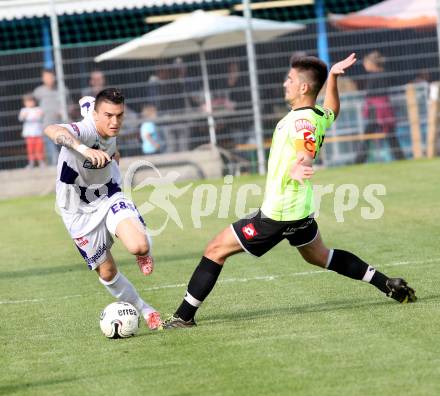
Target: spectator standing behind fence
233	97
239	95
195	129
96	84
151	143
237	87
378	111
166	91
128	138
32	118
49	102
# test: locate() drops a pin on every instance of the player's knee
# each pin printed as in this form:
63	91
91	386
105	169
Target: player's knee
215	252
107	277
107	274
139	247
318	258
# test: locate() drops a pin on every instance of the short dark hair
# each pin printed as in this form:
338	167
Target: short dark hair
315	68
109	95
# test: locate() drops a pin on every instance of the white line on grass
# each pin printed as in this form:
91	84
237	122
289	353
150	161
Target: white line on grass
429	261
228	280
37	300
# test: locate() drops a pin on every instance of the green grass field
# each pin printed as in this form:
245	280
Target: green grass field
275	325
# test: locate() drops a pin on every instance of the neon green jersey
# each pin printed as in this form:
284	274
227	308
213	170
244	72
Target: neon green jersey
286	199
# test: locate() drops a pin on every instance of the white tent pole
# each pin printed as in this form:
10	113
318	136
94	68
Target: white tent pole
207	92
254	89
58	61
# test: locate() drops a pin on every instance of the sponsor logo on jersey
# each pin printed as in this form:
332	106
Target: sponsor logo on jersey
81	241
123	205
309	137
249	231
309	142
304	125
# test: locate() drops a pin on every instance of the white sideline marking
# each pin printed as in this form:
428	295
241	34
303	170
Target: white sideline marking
37	300
229	280
165	287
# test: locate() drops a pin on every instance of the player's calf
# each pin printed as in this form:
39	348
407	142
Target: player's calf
347	264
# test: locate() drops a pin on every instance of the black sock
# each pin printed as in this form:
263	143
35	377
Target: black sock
200	285
347	264
380	281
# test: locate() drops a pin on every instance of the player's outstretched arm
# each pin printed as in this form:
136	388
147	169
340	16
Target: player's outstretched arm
331	100
61	136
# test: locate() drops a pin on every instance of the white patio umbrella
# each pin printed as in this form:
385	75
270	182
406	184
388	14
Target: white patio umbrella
199	31
391	14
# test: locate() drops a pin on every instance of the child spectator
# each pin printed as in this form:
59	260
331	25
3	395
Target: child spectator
32	117
149	132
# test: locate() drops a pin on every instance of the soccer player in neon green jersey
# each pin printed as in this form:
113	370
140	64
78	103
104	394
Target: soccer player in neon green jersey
287	210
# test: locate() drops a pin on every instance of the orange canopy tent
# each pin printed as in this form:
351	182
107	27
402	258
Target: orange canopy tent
391	14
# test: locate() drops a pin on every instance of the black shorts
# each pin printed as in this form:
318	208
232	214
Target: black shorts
258	234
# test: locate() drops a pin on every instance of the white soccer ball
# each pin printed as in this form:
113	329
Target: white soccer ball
119	320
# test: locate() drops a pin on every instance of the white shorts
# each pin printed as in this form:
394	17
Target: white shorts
94	245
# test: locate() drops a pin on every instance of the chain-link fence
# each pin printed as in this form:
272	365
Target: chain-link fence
168	93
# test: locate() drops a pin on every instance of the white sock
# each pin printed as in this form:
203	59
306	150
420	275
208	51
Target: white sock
122	289
150	243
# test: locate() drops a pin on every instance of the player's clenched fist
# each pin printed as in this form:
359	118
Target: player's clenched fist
98	158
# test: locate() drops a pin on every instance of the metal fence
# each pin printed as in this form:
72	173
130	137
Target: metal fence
342	145
174	88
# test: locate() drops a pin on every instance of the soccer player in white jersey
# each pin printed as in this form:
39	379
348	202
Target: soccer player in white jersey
288	206
90	200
